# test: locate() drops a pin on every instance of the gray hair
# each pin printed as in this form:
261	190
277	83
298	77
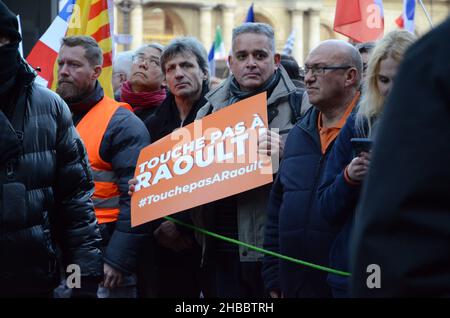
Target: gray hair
123	62
93	52
256	28
153	45
184	45
355	60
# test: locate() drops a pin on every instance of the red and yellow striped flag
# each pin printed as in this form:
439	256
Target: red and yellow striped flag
91	17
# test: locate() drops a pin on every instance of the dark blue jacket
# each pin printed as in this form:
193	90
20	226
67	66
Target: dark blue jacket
294	224
337	201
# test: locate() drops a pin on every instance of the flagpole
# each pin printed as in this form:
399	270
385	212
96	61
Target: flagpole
426	13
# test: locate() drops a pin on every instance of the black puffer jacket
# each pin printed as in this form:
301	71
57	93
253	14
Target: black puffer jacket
55	206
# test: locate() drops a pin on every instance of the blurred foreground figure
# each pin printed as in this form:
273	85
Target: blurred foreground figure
402	223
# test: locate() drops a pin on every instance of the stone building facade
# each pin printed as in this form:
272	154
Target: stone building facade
312	20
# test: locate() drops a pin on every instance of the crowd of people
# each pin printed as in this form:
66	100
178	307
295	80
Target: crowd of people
67	160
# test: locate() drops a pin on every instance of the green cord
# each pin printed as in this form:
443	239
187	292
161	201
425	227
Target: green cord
287	258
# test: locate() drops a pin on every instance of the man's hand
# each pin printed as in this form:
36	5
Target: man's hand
271	144
113	277
131	186
358	167
168	236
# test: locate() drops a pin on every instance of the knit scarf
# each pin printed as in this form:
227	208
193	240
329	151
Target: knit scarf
141	100
237	94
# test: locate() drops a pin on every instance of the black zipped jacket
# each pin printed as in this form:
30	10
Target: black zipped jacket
45	198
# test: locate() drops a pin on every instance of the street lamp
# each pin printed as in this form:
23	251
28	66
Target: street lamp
126	6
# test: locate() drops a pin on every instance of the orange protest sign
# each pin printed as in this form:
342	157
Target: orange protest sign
205	161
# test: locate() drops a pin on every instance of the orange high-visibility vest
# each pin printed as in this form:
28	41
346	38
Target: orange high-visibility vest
92	128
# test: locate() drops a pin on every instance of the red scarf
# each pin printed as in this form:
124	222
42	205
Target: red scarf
141	100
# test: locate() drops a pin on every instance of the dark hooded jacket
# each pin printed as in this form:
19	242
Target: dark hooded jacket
45	193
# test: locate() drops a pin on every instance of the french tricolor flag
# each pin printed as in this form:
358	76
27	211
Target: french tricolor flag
406	20
45	52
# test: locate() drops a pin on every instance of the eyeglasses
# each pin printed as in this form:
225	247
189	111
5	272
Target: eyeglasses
138	59
320	70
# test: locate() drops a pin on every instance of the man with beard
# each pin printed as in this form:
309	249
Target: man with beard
45	185
113	137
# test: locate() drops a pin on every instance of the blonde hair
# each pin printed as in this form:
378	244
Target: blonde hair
394	45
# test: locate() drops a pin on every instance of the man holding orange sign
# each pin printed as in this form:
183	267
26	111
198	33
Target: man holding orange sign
175	175
192	179
235	271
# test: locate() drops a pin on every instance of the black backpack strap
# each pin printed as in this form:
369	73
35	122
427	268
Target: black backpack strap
295	103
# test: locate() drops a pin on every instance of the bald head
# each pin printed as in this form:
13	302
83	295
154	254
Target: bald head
340	52
333	73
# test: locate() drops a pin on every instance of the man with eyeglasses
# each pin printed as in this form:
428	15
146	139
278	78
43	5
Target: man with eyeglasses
113	137
294	225
144	90
121	71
